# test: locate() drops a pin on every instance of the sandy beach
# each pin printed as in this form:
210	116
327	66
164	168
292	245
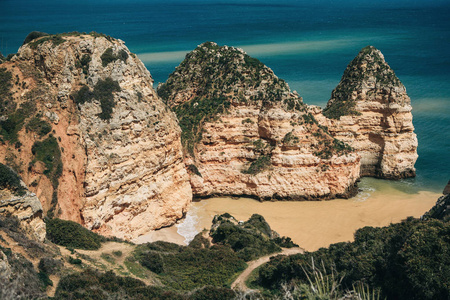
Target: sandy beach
311	224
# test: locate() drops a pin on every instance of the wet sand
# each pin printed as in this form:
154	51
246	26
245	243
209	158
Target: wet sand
313	224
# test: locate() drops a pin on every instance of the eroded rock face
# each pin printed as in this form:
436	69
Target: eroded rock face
122	170
27	208
371	111
246	133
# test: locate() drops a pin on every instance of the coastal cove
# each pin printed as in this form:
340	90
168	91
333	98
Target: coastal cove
310	224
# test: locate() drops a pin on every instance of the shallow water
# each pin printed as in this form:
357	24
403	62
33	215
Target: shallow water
315	224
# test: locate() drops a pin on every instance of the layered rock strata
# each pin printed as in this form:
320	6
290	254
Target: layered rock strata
112	157
22	204
371	111
246	133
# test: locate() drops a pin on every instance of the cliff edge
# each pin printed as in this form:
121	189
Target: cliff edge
86	131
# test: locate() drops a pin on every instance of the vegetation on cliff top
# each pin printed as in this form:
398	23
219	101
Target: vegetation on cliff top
368	64
213	77
36	38
409	260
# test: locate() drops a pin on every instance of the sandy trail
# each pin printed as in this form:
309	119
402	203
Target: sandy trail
239	283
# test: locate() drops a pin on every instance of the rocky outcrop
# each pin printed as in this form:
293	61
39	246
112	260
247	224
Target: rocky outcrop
111	158
245	133
441	210
19	202
447	189
371	111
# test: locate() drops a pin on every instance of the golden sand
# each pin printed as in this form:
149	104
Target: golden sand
316	224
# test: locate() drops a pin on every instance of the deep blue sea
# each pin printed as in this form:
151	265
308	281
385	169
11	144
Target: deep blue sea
307	43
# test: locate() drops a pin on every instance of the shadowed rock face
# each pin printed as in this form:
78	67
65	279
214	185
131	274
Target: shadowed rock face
116	161
245	133
371	111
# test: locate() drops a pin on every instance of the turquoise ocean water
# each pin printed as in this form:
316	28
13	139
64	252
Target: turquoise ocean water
307	43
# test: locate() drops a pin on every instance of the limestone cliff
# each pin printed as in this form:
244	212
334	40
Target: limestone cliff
245	133
16	200
371	111
83	126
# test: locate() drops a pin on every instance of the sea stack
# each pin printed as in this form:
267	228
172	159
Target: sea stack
371	111
246	133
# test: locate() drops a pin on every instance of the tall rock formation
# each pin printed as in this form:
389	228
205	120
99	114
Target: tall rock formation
370	110
245	133
83	126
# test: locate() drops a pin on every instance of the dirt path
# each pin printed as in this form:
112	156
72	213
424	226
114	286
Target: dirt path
239	283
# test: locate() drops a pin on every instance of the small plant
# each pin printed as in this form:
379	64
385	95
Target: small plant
108	56
259	165
39	126
323	286
10	180
74	261
117	253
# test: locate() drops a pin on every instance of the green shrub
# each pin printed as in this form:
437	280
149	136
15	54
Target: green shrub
193	114
194	170
250	240
39	126
34	35
213	293
259	165
10	180
92	284
7	105
152	261
103	91
71	234
55	39
49	153
187	268
49	265
408	260
108	56
200	241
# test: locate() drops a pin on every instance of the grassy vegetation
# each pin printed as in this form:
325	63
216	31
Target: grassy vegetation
56	40
354	75
193	114
259	165
187	268
49	153
83	63
91	284
71	234
408	260
39	126
250	240
10	180
103	91
6	103
108	56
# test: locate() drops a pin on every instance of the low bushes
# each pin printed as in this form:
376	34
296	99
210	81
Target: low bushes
409	260
250	240
10	180
103	91
73	235
187	268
